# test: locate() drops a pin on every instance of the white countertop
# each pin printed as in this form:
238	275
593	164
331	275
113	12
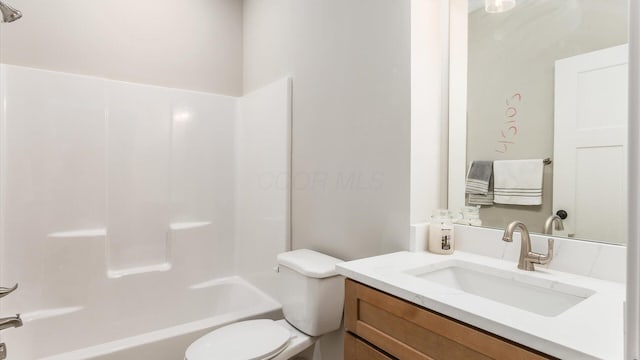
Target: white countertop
592	329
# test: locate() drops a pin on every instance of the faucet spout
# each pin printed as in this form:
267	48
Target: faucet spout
524	261
9	322
527	257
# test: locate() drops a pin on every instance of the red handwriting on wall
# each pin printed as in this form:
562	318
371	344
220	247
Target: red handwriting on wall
509	130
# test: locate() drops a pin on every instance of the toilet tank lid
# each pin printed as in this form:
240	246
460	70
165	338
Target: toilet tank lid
309	263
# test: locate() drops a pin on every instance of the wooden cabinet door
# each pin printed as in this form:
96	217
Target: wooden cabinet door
407	331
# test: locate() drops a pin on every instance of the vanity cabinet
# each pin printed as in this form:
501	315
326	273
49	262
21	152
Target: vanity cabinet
382	326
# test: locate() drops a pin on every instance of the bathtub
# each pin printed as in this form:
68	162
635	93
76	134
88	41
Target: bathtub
166	335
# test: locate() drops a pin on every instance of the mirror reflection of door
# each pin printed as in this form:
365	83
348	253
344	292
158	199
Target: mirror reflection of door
590	143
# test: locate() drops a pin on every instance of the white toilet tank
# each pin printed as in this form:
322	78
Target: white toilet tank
311	291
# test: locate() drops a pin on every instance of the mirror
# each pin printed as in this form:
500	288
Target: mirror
546	79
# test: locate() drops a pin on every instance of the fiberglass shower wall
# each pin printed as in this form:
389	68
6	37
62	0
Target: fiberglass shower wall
118	197
123	169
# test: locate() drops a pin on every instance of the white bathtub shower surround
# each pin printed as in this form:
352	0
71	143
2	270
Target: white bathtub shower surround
119	204
139	138
262	199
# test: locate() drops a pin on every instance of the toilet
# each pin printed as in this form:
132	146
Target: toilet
312	297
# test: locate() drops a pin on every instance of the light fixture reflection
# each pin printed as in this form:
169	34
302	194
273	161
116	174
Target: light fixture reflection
181	116
498	6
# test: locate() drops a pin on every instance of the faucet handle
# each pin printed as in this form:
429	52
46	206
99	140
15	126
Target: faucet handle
6	291
545	259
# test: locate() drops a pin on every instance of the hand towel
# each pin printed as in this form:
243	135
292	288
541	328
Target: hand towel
478	177
518	182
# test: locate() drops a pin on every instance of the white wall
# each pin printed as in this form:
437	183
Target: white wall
350	65
267	45
429	98
193	44
457	154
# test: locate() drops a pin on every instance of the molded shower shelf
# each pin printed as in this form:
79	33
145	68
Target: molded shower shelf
78	234
119	273
49	313
212	283
115	274
188	225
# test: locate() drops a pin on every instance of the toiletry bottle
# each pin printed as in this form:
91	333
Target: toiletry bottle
441	240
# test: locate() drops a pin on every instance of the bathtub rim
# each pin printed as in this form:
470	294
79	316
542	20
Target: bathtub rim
266	307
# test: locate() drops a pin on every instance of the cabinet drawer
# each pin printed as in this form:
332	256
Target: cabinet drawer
407	331
356	349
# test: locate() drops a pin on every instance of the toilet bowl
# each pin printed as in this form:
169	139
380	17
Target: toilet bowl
312	296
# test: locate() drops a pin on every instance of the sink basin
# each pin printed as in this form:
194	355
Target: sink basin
514	288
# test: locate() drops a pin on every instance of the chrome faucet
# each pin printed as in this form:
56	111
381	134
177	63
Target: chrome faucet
549	223
12	321
8	322
527	257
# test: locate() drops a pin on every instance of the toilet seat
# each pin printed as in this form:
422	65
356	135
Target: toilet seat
246	340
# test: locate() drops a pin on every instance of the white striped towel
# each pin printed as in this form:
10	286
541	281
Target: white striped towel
518	182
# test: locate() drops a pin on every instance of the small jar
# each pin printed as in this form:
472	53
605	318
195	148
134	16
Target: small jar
471	215
441	239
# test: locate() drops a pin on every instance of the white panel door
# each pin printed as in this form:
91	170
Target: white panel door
590	143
